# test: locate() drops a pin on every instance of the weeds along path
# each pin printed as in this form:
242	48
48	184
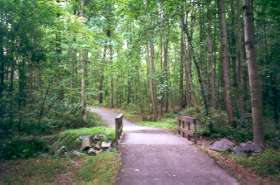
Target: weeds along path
157	157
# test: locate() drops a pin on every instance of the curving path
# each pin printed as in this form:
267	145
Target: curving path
156	157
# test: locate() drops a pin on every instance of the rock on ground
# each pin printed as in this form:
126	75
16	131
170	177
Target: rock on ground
222	145
91	151
61	151
247	148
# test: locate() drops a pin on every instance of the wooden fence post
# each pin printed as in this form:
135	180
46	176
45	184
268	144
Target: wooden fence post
118	127
187	127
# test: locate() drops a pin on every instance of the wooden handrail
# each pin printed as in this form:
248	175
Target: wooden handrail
187	127
118	127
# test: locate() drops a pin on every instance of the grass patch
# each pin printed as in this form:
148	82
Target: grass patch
132	116
68	138
100	170
31	171
265	164
166	123
87	170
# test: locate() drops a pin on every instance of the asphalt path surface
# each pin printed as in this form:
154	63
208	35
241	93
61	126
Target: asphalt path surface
158	157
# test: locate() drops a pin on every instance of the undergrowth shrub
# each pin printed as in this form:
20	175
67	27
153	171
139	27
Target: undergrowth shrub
266	163
30	124
21	148
215	125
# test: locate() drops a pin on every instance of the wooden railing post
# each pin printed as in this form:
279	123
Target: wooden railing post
118	127
195	131
187	127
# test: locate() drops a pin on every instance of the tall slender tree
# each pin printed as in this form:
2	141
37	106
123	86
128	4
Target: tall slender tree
255	86
225	60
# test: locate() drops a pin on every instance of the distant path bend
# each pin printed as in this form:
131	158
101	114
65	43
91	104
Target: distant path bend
157	157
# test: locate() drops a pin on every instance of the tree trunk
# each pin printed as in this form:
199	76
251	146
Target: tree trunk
101	80
186	54
183	102
83	60
225	61
255	86
197	67
166	71
111	80
2	70
21	90
11	87
151	79
83	86
211	61
239	61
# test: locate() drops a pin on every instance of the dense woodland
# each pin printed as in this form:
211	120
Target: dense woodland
218	61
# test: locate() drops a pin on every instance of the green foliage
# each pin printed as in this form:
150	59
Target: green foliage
62	117
266	163
165	123
43	47
69	138
215	125
17	147
22	148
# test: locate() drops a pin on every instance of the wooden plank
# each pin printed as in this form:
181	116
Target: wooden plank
187	127
185	130
118	127
186	118
119	116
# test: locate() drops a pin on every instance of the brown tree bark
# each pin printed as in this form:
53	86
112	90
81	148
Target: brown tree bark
111	80
101	80
166	71
225	61
183	102
197	67
2	70
187	63
211	60
2	75
239	59
151	79
83	62
255	85
83	86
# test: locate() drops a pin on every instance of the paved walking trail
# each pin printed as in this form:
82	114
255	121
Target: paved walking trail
157	157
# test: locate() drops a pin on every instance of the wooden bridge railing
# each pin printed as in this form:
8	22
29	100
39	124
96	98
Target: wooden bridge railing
187	127
118	127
